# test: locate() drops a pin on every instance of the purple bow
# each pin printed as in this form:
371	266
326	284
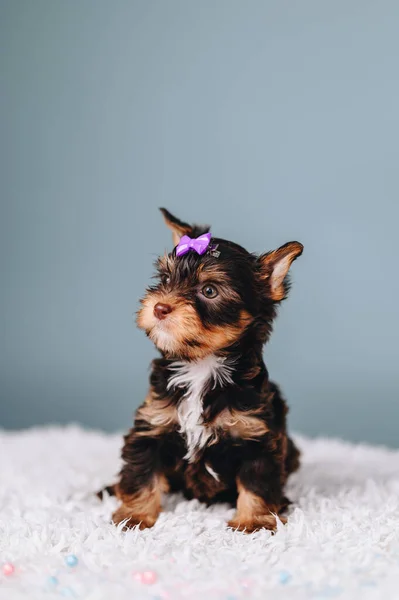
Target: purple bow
199	244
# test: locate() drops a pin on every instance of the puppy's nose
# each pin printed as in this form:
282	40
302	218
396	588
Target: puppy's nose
162	310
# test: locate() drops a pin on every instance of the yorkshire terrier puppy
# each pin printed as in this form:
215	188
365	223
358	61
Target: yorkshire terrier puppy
213	425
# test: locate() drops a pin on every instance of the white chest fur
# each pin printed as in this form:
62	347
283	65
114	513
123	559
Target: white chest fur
197	377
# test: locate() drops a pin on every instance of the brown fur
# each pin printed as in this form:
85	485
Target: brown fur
159	414
200	483
178	228
142	508
245	425
253	513
275	266
248	455
185	326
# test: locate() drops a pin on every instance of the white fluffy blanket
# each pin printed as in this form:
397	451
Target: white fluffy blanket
341	540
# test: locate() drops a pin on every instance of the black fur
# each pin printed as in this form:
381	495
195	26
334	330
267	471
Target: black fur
249	449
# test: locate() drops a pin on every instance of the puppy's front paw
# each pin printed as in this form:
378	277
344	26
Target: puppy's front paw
132	520
255	523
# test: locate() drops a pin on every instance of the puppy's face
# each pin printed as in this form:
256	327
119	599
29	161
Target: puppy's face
203	304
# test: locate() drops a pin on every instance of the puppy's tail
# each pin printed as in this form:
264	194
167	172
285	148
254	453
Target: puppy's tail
110	489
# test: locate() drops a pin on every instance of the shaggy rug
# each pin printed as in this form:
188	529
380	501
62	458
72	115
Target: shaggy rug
56	539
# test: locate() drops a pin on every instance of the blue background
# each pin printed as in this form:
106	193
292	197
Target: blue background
272	120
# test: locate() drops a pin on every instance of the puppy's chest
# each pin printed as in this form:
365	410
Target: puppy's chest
196	379
191	424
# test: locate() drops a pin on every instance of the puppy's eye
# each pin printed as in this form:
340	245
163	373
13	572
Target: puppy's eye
209	291
165	278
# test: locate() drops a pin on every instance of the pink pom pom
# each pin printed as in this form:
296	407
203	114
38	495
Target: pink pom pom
8	569
147	577
138	576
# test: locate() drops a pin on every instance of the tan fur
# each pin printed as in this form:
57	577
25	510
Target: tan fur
253	513
166	262
143	508
177	230
220	336
162	416
275	267
159	413
181	325
241	424
184	325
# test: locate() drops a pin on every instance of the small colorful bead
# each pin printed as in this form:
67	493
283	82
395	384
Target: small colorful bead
68	592
52	581
284	577
71	560
8	569
138	576
147	577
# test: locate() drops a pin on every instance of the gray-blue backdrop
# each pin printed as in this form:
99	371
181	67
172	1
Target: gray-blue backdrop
273	120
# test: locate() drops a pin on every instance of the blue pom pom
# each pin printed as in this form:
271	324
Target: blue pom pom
284	577
71	560
68	592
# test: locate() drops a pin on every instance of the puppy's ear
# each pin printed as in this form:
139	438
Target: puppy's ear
179	228
274	267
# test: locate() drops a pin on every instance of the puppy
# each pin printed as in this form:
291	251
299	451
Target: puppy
213	425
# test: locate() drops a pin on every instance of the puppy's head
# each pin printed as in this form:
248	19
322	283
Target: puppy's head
205	303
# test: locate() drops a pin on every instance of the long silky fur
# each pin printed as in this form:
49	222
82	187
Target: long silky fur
213	424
